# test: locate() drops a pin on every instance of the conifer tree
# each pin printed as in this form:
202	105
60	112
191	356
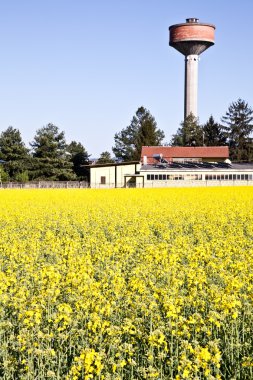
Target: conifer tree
141	131
190	133
213	134
49	150
80	159
238	126
14	152
105	158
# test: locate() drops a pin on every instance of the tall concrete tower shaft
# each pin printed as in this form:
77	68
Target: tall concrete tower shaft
191	39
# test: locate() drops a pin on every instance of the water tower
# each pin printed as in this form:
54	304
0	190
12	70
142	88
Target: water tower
191	39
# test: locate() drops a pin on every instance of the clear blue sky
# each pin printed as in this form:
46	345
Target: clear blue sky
87	65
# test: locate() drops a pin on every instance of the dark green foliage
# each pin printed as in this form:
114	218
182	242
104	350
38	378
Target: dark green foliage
13	152
213	134
22	177
4	176
237	126
79	157
50	159
105	158
49	142
142	131
190	133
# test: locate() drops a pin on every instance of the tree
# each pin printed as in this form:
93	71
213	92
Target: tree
237	126
79	157
14	152
50	155
190	133
105	158
142	131
213	134
4	176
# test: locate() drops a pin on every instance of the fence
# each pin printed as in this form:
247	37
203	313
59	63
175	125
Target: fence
149	184
175	183
45	185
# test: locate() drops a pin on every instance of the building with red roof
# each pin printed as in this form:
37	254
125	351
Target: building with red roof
152	154
167	166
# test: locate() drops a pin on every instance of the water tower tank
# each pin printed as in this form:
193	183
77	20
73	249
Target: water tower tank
191	39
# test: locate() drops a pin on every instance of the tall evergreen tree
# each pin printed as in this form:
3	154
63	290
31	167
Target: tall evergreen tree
14	152
50	155
141	131
213	134
190	133
238	126
79	157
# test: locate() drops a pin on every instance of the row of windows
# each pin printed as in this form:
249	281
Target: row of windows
165	177
228	177
193	177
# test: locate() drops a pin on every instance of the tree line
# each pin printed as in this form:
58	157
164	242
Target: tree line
234	130
50	157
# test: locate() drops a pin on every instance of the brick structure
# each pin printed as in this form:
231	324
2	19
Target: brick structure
191	39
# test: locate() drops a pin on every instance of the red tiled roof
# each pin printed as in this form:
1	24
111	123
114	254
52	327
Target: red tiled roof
169	152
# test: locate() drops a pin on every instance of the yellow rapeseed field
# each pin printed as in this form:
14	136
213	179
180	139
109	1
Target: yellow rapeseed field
126	284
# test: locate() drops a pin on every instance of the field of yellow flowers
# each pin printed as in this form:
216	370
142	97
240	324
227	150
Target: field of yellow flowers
126	284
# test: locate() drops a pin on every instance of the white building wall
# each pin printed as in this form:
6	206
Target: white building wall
189	178
110	172
123	170
139	182
197	178
96	175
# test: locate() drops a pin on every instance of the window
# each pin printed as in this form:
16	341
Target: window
150	177
230	177
103	180
178	177
193	177
160	177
